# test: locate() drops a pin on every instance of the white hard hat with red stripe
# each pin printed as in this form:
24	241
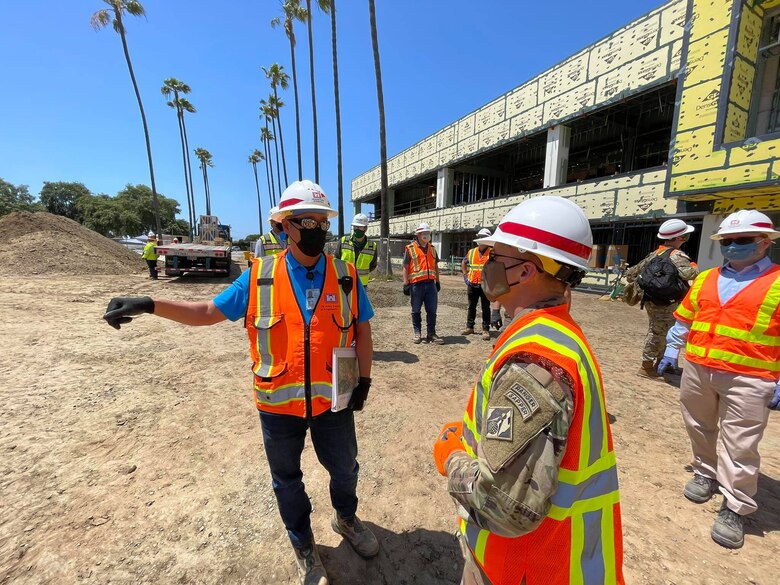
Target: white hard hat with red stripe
273	210
549	227
422	228
673	228
746	221
303	196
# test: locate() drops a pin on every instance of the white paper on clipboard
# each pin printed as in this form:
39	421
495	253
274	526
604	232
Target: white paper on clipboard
345	376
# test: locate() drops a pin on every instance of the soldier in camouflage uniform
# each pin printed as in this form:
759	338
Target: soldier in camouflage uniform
531	467
674	233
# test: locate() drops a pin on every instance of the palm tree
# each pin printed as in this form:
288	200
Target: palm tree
255	158
384	226
324	5
114	14
276	104
205	162
181	105
269	114
266	137
293	11
279	78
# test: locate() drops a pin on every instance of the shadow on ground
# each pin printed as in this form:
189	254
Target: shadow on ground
420	556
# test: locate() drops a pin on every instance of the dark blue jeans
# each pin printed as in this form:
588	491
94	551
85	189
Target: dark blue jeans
424	293
333	437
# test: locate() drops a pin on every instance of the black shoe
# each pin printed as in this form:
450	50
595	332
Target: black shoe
728	530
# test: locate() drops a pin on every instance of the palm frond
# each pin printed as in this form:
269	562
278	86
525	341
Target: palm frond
100	19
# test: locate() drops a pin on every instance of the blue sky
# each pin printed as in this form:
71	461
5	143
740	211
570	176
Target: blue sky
68	112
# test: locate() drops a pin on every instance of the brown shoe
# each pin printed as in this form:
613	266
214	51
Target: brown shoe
648	370
486	334
310	568
467	331
357	535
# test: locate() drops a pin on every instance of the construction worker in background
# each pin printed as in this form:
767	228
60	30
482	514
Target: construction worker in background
150	255
660	305
175	241
274	241
471	267
531	465
357	250
421	283
731	323
324	306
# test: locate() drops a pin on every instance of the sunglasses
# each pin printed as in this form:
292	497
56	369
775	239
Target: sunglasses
518	261
740	241
308	223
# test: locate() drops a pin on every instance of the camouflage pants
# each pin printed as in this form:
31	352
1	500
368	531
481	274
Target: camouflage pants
661	319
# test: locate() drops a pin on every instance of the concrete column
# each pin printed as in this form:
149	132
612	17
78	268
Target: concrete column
358	206
556	160
437	239
444	186
708	255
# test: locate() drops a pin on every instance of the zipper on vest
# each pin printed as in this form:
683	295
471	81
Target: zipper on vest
307	369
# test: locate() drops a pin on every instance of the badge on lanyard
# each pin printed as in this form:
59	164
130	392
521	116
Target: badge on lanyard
312	294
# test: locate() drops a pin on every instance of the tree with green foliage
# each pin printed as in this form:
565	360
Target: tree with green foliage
293	12
205	158
181	105
276	74
114	14
16	198
61	198
178	227
255	158
135	201
102	214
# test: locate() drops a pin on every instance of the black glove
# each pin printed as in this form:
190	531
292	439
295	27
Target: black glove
121	310
407	289
438	286
495	318
359	394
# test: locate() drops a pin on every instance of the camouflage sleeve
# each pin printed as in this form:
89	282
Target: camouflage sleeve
687	269
507	489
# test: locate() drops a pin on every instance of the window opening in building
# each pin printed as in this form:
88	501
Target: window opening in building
765	109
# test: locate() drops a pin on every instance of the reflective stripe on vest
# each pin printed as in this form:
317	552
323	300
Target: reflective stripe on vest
742	336
275	326
422	265
271	244
365	257
583	523
476	262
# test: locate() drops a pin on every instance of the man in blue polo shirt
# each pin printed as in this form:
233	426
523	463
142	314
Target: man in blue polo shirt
279	296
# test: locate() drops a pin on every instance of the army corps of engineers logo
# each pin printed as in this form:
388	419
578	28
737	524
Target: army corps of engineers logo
499	423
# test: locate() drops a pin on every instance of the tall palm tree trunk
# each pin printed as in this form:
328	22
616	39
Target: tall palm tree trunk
384	226
189	177
297	111
180	120
313	97
338	116
259	204
155	200
268	179
276	148
281	140
206	188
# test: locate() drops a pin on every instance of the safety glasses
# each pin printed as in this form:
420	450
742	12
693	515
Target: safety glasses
518	261
308	223
739	241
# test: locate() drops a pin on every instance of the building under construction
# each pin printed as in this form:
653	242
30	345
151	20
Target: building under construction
676	114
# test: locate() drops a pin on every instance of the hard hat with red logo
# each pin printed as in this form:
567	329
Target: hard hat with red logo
303	197
746	221
673	228
552	228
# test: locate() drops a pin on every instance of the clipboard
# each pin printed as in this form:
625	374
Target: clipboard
345	376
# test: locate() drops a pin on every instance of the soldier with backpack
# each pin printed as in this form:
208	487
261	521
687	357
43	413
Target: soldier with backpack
662	276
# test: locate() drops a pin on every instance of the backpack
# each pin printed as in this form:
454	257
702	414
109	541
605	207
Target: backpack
660	282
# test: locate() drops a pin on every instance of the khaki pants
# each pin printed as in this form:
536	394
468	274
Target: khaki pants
661	318
739	403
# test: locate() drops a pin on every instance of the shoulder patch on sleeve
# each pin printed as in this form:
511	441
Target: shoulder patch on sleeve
524	400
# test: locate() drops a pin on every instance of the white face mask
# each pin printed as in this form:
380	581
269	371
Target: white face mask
425	238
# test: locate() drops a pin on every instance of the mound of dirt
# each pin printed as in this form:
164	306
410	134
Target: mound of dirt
42	243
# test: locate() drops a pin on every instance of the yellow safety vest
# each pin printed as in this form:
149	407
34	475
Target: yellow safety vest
271	244
364	259
149	253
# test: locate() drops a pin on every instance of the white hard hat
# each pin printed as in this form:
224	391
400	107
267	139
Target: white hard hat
673	228
274	209
549	227
483	233
360	220
423	227
746	221
150	235
303	196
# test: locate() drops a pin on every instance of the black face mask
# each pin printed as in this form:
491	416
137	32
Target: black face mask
312	242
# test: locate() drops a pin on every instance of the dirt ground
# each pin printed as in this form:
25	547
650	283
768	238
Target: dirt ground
135	456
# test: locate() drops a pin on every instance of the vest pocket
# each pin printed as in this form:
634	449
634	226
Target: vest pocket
270	347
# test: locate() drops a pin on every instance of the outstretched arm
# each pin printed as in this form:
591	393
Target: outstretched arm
188	312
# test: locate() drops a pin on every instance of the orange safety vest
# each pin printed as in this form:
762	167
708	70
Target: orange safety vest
581	539
740	336
476	262
292	361
422	265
